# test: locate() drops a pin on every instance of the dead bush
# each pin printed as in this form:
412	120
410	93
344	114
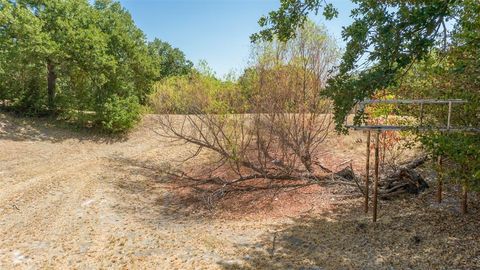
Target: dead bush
288	120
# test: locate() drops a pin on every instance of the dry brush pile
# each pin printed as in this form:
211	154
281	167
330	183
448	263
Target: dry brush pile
277	142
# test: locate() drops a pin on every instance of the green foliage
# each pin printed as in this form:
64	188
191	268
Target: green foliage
382	110
384	38
72	57
460	149
452	74
134	69
118	115
195	93
171	61
248	83
203	68
283	23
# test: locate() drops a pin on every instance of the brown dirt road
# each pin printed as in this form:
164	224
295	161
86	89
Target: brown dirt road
72	201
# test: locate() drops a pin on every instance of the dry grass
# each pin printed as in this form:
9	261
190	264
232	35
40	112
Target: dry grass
71	200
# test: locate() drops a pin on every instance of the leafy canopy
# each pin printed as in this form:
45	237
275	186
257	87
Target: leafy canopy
384	38
86	61
171	61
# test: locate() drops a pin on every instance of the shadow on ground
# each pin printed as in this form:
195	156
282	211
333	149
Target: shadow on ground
166	195
410	237
18	128
412	232
146	193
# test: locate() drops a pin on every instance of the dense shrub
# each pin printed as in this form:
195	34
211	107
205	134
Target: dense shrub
196	92
119	114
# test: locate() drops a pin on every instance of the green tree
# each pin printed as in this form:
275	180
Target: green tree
23	50
134	70
171	61
72	57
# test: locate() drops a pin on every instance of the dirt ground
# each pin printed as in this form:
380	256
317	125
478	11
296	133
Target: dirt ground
73	200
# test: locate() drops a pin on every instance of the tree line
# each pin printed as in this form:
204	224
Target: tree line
86	62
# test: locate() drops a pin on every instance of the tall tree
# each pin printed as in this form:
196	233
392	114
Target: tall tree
171	61
70	56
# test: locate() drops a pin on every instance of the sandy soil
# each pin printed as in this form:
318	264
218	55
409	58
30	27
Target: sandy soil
75	200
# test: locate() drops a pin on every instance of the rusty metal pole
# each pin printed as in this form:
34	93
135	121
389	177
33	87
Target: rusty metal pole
449	114
464	199
375	184
440	179
367	169
421	114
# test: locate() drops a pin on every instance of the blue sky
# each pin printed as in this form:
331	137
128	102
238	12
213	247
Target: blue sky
215	30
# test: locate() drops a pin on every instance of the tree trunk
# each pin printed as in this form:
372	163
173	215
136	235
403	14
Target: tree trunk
52	82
